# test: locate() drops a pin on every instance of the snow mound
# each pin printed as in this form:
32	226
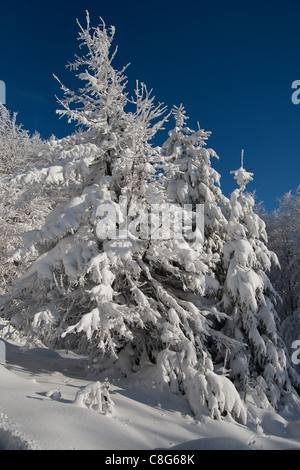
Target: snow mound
293	429
54	394
213	443
11	439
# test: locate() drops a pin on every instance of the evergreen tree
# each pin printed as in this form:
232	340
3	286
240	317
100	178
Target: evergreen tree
192	180
190	270
69	287
21	207
258	363
18	149
283	228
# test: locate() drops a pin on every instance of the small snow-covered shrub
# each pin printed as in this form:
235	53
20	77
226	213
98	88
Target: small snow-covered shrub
95	396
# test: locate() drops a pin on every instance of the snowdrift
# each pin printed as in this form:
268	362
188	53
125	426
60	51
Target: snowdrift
40	410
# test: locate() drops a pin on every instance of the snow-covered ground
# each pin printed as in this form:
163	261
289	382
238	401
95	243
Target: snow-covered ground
38	411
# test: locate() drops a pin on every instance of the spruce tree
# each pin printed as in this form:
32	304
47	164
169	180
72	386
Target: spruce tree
190	270
80	270
258	362
193	180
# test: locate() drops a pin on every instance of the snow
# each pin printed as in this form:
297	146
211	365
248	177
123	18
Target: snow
46	403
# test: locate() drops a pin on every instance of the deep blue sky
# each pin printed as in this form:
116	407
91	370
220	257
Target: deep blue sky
231	63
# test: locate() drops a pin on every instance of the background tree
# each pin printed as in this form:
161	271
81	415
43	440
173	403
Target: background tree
283	227
22	207
18	149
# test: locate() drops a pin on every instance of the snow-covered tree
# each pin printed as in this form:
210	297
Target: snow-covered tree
192	180
283	227
22	207
98	284
74	270
186	264
18	149
258	362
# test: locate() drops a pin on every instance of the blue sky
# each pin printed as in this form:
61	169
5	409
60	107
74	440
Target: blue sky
230	63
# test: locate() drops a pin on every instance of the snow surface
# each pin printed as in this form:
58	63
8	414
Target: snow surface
39	410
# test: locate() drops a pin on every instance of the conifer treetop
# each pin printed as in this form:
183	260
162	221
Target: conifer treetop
242	176
103	93
179	114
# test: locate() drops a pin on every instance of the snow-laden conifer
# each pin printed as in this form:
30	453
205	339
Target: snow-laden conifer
258	363
193	181
81	282
283	226
21	207
188	271
18	148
